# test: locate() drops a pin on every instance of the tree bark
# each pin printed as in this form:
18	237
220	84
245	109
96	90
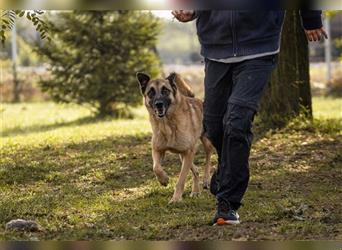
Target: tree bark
289	94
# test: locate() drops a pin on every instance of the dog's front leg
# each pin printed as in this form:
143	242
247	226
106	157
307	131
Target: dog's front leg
186	166
157	168
195	179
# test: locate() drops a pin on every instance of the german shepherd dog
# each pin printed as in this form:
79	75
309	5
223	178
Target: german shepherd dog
176	118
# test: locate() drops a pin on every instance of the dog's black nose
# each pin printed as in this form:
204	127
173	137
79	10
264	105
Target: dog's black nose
159	104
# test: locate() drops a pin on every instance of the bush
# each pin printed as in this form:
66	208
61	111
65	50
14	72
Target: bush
94	56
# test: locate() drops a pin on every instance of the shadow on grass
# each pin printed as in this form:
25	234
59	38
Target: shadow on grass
115	159
145	217
87	173
49	127
63	186
285	195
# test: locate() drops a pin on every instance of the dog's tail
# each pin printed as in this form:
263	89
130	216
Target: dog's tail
182	85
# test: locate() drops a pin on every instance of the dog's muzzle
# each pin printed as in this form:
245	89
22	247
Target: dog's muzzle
160	109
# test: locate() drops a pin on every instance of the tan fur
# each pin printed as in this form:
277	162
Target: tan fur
183	87
179	132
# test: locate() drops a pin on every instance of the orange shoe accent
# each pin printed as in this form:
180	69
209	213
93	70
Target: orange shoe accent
221	222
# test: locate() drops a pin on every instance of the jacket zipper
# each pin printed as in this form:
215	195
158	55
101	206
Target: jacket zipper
234	33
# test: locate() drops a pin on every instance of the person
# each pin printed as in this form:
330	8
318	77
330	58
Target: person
240	50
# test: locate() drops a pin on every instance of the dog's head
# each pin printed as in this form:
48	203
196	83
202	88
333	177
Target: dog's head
159	94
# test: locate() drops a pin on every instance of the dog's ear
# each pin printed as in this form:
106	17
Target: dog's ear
143	81
172	80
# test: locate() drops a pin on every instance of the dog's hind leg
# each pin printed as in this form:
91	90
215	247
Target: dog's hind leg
188	158
157	168
208	149
195	181
162	157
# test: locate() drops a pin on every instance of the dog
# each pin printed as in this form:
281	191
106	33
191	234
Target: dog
176	119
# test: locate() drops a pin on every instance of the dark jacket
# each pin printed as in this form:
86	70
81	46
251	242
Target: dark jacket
225	33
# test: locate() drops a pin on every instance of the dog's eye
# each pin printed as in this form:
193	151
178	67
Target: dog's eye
151	93
165	91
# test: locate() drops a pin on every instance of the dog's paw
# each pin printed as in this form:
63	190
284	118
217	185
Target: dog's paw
194	194
175	200
206	185
163	180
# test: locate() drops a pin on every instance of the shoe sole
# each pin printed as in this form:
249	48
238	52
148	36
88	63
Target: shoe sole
222	222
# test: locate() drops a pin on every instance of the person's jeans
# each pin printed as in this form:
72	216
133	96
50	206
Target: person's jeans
232	96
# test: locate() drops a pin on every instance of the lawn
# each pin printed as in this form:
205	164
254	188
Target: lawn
83	178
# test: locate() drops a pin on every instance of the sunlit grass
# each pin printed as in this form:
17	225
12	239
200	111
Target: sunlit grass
327	107
38	123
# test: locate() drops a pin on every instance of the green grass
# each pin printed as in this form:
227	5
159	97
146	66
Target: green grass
327	108
83	178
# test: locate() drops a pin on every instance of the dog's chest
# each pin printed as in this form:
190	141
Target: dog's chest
173	139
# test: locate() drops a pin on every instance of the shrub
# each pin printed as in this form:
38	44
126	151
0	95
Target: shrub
94	56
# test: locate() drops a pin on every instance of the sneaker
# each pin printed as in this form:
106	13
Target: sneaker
225	215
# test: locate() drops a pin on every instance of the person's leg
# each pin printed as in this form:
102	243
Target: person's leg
217	84
249	80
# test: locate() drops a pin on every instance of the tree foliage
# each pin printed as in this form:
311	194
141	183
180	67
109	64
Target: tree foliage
94	56
8	17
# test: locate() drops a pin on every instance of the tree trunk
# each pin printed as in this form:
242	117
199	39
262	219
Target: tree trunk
289	93
16	83
105	109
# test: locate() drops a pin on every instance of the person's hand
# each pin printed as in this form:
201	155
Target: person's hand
316	35
184	15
